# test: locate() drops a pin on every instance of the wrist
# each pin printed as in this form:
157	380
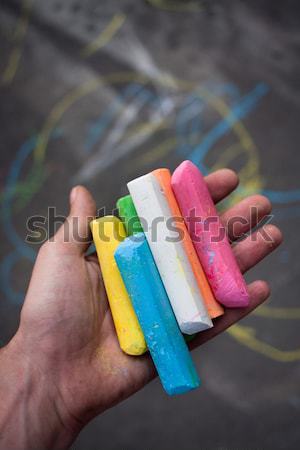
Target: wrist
32	413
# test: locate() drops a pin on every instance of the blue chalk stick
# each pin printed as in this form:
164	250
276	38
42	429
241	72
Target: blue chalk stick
155	315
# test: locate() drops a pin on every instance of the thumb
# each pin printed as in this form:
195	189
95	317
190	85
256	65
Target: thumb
75	233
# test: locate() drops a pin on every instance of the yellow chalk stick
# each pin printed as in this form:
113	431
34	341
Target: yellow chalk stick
108	232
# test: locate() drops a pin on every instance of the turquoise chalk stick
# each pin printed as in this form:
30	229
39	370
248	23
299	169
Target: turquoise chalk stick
155	315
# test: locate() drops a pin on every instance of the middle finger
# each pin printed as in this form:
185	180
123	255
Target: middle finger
245	215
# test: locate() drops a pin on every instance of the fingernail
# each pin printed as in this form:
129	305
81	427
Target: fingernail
73	195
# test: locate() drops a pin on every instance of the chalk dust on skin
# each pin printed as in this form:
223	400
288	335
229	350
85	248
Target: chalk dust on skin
105	362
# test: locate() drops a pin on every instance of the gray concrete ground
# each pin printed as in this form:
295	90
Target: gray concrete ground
98	92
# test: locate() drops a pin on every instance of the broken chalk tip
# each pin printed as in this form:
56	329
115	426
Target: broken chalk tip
215	255
108	232
149	298
169	255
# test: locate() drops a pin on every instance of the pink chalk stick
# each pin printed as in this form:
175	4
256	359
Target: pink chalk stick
208	236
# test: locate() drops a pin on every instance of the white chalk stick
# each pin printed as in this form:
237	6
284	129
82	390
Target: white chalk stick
170	256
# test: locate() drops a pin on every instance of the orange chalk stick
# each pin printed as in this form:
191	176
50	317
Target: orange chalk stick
213	307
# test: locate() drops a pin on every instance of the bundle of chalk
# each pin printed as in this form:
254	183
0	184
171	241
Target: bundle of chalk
167	268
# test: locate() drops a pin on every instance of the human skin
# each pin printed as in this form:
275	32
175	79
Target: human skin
64	365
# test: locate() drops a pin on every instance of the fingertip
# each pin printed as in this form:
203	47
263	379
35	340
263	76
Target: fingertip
73	195
265	203
232	174
80	197
231	177
221	183
259	291
275	233
261	202
75	233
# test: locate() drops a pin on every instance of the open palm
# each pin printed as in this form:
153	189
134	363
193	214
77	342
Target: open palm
66	329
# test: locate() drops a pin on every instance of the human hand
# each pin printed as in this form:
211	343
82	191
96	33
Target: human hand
65	358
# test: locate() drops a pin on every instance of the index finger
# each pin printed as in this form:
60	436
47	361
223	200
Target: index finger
221	183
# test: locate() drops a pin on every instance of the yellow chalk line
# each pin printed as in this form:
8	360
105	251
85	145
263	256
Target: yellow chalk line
252	166
12	66
146	128
105	36
170	5
228	155
272	312
250	180
246	336
19	35
87	88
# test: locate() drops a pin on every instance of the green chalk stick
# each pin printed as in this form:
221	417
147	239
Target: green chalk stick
128	215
